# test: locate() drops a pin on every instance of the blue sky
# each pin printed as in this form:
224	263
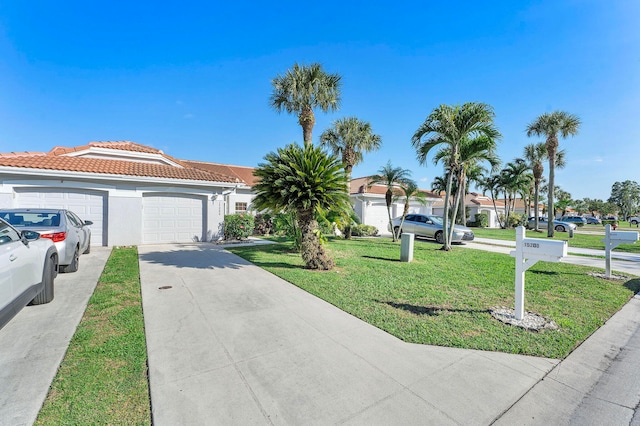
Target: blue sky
194	78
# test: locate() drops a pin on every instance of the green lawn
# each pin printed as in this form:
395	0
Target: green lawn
443	298
580	239
103	377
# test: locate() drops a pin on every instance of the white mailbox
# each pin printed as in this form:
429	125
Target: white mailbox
548	250
625	237
613	239
528	252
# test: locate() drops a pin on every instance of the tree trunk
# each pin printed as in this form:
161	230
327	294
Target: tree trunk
552	146
307	120
537	201
313	254
445	219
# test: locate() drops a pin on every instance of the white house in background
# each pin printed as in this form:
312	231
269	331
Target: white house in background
371	208
476	203
479	203
134	194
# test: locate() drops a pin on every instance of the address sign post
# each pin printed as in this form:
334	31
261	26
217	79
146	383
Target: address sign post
528	252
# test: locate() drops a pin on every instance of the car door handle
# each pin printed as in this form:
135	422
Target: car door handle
12	257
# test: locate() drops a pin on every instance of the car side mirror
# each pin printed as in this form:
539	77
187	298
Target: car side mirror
88	222
27	236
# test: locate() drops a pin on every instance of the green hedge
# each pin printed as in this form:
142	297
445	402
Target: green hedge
481	221
364	230
238	226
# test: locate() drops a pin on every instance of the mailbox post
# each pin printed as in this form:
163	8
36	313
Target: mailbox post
528	252
613	239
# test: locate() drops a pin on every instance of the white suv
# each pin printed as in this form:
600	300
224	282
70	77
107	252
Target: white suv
28	267
634	220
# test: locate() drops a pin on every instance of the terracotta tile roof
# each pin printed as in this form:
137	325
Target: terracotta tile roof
58	159
122	145
361	186
242	173
116	167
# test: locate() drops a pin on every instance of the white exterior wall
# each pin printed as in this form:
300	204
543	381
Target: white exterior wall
123	212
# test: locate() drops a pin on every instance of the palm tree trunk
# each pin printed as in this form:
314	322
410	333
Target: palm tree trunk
537	202
551	151
307	120
313	254
445	219
388	198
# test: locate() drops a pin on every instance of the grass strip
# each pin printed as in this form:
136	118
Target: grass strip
443	298
103	377
590	241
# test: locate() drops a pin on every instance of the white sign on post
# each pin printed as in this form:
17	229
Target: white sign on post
528	252
613	239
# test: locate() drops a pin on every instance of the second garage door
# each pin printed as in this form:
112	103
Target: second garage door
169	218
89	205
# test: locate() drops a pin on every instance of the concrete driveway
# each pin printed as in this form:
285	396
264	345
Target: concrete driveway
33	343
230	343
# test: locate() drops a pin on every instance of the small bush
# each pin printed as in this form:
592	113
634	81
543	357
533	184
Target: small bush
364	230
238	226
481	221
263	224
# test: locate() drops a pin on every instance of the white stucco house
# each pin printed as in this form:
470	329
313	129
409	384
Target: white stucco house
134	194
371	208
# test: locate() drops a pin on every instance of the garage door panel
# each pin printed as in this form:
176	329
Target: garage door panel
89	205
171	218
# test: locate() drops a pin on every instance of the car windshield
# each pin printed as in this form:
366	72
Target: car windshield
436	219
27	218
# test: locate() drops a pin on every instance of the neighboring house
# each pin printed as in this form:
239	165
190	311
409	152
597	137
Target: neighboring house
477	203
371	208
134	194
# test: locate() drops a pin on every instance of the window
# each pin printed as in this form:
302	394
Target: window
241	207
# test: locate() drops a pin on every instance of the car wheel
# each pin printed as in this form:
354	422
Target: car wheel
48	275
75	262
439	237
397	231
88	249
634	222
559	228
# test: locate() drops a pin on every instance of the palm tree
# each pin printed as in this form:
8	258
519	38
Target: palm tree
551	125
516	180
536	154
348	139
411	191
303	88
471	154
450	125
304	181
390	177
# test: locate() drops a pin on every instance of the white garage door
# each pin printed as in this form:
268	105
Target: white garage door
172	219
376	215
89	205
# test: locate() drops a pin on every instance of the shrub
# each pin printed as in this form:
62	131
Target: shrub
263	224
481	221
238	226
364	230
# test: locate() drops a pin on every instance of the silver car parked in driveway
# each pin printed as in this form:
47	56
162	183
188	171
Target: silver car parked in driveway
28	266
70	234
558	225
431	227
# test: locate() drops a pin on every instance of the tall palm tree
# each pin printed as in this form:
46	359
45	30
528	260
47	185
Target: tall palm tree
303	88
349	139
472	153
449	126
391	177
535	155
410	192
304	181
551	125
516	180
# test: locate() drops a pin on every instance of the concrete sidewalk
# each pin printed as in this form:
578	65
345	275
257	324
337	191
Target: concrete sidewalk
230	343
